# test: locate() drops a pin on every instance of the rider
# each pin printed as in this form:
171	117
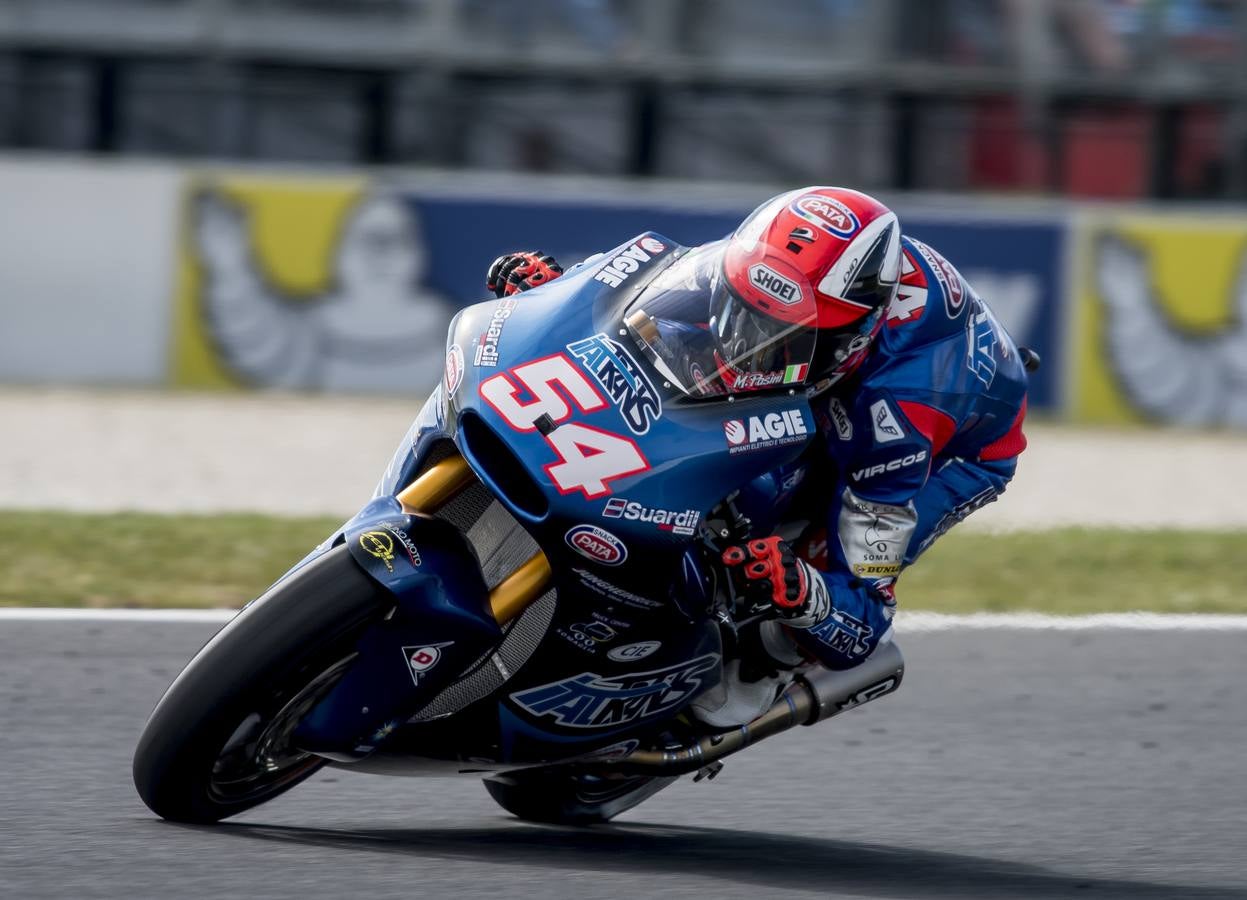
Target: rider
918	392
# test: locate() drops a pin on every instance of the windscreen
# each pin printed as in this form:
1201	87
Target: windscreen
707	341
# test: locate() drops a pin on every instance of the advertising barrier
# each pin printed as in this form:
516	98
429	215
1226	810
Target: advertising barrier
338	284
1161	324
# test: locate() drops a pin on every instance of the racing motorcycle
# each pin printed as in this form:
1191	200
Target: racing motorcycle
535	593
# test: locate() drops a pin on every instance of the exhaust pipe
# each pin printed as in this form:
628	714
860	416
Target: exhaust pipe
815	696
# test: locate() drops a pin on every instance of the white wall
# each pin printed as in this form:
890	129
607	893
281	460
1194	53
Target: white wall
86	262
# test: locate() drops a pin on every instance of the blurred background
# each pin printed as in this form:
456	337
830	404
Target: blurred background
298	194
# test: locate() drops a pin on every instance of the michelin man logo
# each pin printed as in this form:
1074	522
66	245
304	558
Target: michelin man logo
375	327
1166	371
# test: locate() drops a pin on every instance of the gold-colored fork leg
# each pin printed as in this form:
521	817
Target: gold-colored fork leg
434	488
436	485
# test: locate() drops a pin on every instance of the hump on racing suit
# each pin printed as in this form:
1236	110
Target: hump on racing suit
927	431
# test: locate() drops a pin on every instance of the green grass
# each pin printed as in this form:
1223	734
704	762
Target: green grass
62	559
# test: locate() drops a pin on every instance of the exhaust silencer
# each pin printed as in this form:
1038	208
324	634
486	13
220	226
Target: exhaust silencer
835	692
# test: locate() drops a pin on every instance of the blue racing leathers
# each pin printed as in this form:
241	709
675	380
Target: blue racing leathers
925	432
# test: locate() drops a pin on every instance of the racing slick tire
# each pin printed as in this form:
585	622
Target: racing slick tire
214	744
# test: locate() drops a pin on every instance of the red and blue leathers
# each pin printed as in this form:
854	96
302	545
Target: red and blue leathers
926	431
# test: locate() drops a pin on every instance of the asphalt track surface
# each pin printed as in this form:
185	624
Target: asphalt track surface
1011	763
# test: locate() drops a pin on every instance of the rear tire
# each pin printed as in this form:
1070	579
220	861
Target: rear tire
213	746
561	798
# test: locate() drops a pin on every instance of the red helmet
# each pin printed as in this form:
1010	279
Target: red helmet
805	285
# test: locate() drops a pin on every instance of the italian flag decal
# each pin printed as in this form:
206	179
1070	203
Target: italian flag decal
795	373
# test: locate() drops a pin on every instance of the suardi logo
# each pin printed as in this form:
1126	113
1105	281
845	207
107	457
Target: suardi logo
616	271
774	285
677	522
760	432
827	213
900	462
596	544
486	353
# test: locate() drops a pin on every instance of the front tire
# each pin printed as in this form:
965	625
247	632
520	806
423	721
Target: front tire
216	743
562	798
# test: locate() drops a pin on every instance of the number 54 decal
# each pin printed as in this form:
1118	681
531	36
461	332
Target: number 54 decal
588	458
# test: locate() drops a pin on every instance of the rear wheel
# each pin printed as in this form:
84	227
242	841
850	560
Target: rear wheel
563	798
218	742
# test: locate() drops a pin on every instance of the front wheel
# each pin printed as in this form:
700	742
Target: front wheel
562	798
218	741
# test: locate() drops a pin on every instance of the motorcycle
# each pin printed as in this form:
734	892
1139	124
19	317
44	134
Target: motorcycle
535	593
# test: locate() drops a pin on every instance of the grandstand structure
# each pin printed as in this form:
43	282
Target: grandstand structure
1103	98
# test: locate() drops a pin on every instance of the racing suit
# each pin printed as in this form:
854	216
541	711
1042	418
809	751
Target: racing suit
925	432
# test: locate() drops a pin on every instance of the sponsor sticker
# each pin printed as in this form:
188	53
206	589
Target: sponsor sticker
892	465
840	418
587	635
981	346
379	544
828	214
613	593
884	421
615	271
675	521
844	634
622	378
946	275
589	700
454	369
486	353
596	544
774	285
633	652
413	554
422	658
765	432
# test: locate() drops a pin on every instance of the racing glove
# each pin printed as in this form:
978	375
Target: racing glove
771	579
514	272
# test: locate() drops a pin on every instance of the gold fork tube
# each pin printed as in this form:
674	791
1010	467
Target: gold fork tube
436	485
433	489
518	590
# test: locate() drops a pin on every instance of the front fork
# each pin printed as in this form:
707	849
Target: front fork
443	617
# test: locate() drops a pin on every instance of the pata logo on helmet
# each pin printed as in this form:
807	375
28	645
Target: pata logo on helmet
828	214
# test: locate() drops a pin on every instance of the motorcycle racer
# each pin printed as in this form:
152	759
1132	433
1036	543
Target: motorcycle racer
918	392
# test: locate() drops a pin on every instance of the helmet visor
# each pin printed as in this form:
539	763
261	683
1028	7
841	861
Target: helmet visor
707	341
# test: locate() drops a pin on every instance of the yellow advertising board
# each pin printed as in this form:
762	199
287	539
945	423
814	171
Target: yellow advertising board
1161	320
299	283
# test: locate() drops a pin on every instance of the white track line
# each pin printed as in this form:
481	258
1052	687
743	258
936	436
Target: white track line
906	622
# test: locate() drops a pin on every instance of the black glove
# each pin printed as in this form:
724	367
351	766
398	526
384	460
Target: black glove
521	271
771	579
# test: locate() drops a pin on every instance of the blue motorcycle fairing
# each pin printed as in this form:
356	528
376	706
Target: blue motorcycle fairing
619	542
441	623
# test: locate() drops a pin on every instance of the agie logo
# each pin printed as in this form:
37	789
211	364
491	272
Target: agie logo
596	544
763	432
828	214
